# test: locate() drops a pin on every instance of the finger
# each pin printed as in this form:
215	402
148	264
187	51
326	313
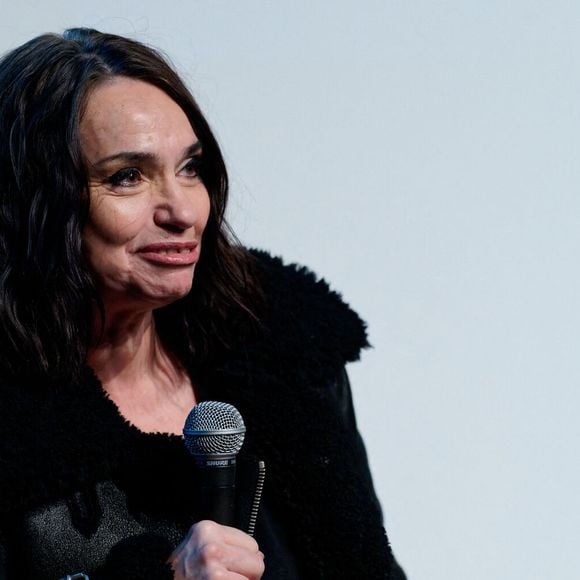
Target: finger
232	558
209	531
209	549
219	563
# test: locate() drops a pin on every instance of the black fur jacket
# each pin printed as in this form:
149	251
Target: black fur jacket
82	490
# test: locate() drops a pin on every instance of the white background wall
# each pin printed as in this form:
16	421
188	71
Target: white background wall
424	157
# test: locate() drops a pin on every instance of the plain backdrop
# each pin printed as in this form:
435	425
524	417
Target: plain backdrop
422	156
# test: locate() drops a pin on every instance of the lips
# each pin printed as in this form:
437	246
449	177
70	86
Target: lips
171	253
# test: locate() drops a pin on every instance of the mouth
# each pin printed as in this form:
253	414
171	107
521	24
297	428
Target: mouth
171	253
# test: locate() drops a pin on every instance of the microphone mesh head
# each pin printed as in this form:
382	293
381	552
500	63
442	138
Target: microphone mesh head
214	428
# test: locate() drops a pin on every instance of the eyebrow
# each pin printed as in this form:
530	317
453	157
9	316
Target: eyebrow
143	157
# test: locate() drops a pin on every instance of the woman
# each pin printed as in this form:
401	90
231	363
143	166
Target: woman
124	303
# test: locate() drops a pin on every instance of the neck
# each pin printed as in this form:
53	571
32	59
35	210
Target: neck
127	345
148	384
129	350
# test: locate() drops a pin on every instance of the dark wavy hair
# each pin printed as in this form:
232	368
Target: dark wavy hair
48	297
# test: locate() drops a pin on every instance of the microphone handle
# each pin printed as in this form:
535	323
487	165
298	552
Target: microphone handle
217	504
217	489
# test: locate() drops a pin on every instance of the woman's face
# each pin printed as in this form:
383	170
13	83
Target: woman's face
148	206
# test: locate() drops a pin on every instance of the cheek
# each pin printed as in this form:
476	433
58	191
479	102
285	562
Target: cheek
114	223
107	237
104	251
205	211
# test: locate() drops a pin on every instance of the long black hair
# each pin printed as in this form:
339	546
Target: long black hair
47	294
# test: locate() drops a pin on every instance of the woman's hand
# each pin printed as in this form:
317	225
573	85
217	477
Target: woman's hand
211	550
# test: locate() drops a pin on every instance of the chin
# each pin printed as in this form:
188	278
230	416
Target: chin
169	290
146	294
170	296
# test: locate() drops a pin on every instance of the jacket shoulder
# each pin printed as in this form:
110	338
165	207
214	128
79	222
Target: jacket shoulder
305	315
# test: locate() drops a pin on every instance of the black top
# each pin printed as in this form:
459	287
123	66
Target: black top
82	490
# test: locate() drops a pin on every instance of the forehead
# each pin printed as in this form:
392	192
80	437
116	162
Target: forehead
128	114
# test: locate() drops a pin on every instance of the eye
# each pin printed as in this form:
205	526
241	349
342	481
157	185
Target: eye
192	167
125	177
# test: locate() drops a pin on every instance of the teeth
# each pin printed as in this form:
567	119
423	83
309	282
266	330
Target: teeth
175	251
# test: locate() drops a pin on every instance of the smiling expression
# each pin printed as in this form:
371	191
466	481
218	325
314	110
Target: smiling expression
148	206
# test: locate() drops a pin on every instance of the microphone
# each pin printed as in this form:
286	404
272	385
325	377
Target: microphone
214	434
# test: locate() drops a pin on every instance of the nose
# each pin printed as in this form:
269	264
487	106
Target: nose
177	207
